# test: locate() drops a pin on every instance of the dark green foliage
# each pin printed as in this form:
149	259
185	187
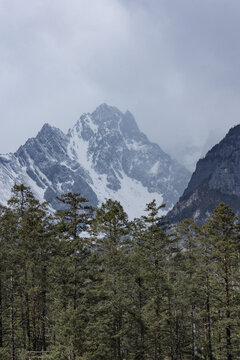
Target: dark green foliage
92	285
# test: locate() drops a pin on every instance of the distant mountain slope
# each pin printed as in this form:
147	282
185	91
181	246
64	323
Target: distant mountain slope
103	156
216	179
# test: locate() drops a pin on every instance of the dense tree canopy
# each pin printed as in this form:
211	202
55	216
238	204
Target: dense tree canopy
89	284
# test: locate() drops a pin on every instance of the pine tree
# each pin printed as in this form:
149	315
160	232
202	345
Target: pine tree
223	233
188	290
33	251
205	281
9	275
137	289
107	326
71	271
156	242
2	278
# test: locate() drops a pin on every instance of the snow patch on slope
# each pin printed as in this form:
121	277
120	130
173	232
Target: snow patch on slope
132	195
91	124
154	169
12	172
78	150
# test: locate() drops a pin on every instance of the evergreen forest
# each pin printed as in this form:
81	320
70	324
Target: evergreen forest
88	284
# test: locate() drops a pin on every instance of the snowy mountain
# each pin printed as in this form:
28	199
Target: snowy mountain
216	179
103	156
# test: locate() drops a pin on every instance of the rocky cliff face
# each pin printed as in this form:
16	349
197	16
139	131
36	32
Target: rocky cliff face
216	179
103	156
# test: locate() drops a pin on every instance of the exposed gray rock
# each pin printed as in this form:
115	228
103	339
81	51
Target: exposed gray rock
102	153
216	179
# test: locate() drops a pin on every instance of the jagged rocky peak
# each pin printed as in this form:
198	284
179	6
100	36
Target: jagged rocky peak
105	114
104	155
107	117
216	179
129	126
45	131
113	145
49	142
49	134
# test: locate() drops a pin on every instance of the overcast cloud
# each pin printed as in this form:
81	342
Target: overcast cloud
173	63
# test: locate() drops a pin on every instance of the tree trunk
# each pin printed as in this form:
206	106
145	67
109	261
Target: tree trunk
228	316
193	333
1	314
23	322
27	321
43	321
12	319
142	327
209	335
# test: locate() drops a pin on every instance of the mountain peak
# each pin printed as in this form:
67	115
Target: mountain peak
103	156
46	129
50	132
106	113
105	107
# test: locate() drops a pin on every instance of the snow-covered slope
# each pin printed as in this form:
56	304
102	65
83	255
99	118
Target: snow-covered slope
103	156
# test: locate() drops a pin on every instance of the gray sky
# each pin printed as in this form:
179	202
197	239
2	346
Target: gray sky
175	64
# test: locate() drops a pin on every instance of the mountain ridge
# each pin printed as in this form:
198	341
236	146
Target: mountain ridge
216	179
104	155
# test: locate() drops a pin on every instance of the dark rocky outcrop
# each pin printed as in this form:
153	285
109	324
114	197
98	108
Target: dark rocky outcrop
216	179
